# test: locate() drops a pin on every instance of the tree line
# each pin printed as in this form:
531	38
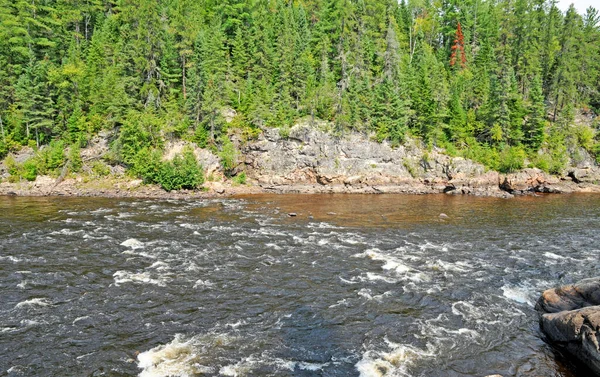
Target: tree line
499	81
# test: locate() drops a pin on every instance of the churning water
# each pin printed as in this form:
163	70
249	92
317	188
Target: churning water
351	286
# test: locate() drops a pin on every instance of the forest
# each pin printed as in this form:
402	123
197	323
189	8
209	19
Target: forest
498	81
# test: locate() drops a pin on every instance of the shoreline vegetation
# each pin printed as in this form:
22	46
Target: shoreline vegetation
483	97
307	160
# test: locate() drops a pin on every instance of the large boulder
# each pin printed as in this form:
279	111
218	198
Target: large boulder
570	319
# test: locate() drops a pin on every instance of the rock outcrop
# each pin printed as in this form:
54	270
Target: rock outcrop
309	159
570	319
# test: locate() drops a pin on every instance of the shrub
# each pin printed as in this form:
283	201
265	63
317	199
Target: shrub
100	169
543	162
511	159
30	169
240	179
56	155
585	137
201	136
75	158
183	172
3	149
228	155
147	165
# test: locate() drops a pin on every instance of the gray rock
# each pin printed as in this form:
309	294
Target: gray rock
312	157
570	319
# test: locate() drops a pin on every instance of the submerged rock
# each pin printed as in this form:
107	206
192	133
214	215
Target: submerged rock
570	318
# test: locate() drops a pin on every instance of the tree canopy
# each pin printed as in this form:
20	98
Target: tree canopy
472	75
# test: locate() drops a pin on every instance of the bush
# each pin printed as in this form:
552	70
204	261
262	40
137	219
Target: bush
56	155
3	149
147	165
543	162
201	136
483	154
100	169
585	137
183	172
139	131
75	158
511	159
228	155
30	169
240	179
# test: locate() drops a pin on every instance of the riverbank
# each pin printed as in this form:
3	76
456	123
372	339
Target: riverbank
309	160
527	182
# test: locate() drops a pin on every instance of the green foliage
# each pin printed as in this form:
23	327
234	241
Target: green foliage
27	170
156	70
585	137
76	163
3	149
140	131
183	172
240	179
30	169
100	169
511	159
228	155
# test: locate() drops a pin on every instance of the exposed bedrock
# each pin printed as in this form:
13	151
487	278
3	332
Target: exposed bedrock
570	319
311	160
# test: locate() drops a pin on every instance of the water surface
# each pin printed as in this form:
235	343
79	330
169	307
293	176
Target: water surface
354	285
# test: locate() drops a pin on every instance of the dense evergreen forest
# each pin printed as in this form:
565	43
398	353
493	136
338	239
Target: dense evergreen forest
499	81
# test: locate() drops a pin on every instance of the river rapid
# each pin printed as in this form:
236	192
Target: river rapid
354	285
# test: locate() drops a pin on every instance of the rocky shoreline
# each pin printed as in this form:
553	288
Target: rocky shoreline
310	160
525	183
570	320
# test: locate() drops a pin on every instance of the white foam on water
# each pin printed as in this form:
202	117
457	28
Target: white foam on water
177	359
376	277
121	277
520	294
183	357
367	293
323	241
390	263
8	329
11	258
449	266
273	246
34	302
66	232
160	266
236	324
429	245
553	256
242	368
467	310
443	337
133	243
392	363
353	280
80	319
30	322
339	303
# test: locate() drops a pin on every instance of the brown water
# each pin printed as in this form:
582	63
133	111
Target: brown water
353	285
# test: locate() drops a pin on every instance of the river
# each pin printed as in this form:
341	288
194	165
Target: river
354	285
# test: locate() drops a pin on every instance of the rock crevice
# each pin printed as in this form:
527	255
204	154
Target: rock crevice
311	160
570	319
